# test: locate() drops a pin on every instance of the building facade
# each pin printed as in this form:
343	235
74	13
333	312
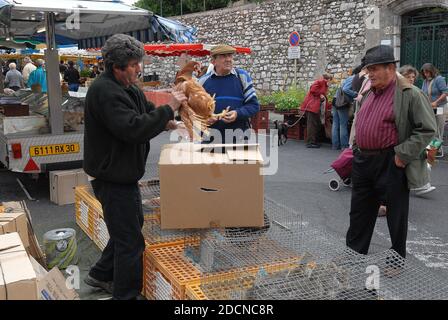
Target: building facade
334	36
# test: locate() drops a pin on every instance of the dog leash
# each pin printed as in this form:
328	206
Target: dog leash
299	116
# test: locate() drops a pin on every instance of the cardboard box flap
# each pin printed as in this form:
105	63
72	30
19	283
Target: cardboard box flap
12	206
53	287
40	271
14	262
190	153
251	154
13	219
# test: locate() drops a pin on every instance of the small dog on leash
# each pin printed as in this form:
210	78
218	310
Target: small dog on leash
282	129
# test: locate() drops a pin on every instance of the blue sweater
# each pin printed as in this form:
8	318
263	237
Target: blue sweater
235	91
347	88
38	76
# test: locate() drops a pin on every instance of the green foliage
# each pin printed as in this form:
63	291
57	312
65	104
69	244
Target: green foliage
331	93
85	73
168	8
290	99
266	99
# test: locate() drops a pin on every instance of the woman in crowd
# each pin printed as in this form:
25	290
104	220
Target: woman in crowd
434	86
314	106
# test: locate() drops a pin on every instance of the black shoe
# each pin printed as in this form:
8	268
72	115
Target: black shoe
105	285
313	145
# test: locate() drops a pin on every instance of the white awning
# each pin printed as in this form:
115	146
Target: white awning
84	6
96	18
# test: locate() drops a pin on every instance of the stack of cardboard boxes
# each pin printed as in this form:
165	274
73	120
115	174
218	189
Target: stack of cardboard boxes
63	183
22	277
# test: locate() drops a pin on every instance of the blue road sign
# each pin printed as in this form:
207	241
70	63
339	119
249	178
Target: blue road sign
294	39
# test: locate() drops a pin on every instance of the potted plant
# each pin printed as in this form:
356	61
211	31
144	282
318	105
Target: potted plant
289	101
84	75
267	102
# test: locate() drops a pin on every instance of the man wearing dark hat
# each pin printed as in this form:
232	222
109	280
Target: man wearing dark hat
394	124
233	90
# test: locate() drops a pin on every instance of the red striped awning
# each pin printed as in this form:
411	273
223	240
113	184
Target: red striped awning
192	49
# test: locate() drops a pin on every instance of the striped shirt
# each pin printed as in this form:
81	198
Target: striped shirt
375	121
235	90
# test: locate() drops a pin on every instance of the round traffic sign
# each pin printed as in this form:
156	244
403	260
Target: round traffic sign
294	39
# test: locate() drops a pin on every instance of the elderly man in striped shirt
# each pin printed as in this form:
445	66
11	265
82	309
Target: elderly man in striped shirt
394	124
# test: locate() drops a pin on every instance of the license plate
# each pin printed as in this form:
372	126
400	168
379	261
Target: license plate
54	149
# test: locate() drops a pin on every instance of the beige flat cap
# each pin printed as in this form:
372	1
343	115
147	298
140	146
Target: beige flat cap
222	49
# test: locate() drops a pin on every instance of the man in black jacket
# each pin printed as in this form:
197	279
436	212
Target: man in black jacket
119	123
71	76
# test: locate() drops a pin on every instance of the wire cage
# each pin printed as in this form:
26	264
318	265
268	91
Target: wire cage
350	276
396	278
150	192
236	248
155	236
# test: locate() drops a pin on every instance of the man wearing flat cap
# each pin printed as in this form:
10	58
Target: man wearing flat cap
233	90
394	124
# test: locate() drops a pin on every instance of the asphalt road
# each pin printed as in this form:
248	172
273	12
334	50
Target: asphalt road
299	183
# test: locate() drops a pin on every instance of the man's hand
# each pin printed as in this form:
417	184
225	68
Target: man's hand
434	105
359	97
230	117
399	163
181	130
171	125
211	121
177	98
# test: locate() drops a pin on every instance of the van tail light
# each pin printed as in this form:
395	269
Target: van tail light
16	150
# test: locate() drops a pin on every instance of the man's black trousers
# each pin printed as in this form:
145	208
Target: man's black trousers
122	259
375	179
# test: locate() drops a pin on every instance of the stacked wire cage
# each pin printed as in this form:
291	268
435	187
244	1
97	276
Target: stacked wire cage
382	276
347	276
230	258
324	268
236	248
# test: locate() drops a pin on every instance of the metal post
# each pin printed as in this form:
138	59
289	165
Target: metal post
54	92
181	11
161	5
295	73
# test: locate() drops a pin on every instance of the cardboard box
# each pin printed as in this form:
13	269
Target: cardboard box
18	280
63	183
203	186
52	285
13	219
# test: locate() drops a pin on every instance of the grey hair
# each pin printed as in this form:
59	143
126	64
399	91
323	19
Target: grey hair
408	69
120	49
40	62
12	65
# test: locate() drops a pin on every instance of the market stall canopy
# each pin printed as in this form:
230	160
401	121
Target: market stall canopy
173	30
192	49
26	18
17	45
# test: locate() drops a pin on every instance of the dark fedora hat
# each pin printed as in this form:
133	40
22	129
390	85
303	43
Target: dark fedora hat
381	54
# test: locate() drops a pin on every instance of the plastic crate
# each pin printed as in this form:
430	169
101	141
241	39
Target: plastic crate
167	273
90	218
155	237
228	286
87	207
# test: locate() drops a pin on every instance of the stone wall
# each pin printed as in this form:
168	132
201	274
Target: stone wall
335	35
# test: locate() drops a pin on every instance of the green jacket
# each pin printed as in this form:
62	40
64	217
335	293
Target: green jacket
416	125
